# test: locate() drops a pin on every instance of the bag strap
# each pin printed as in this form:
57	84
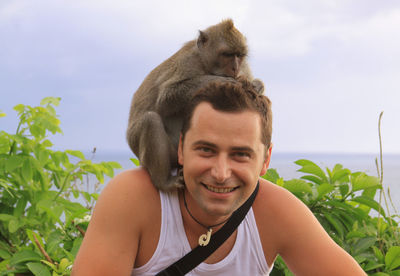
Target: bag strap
200	253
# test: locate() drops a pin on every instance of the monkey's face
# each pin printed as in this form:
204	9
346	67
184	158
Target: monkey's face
230	63
227	63
222	157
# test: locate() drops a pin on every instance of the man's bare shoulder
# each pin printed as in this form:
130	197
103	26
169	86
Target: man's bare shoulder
288	227
274	203
272	199
120	217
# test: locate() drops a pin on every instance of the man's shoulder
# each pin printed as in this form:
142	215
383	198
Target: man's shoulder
278	205
273	197
131	189
133	182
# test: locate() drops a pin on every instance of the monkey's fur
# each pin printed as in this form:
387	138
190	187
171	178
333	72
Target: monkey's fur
157	107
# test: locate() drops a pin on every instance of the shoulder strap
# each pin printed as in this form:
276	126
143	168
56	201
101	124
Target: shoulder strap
200	253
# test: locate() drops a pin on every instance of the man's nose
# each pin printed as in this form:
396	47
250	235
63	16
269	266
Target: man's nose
221	169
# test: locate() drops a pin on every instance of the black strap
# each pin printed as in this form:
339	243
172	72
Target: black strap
200	253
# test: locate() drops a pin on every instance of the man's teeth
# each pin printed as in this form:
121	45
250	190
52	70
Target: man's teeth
219	190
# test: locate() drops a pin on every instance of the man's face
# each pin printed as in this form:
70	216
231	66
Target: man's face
222	157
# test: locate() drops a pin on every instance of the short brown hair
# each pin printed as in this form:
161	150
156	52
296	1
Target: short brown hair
232	96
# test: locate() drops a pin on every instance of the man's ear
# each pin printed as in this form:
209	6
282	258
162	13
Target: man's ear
180	150
266	161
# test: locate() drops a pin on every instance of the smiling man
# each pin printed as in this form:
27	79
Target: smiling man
225	147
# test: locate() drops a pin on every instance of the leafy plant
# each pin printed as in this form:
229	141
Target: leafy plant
41	226
342	201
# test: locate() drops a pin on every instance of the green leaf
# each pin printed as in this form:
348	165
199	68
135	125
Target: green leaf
64	263
312	178
6	217
370	203
24	256
372	265
4	254
355	234
363	181
344	189
363	244
27	170
31	236
52	266
311	168
76	246
114	164
323	189
13	225
271	175
395	272
50	100
76	153
38	269
13	162
335	223
47	143
392	258
37	131
20	208
340	174
378	254
297	186
380	274
86	195
2	114
135	161
19	107
53	241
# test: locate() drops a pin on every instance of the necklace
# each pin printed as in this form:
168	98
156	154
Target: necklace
205	238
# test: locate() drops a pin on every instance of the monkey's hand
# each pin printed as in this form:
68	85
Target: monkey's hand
258	86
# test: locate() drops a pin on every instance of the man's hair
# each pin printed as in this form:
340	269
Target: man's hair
232	96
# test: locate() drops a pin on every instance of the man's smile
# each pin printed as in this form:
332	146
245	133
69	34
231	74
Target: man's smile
219	190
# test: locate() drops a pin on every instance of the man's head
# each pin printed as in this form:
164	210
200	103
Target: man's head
224	147
232	97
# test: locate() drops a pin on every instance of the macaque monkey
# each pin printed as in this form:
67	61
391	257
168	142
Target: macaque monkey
155	118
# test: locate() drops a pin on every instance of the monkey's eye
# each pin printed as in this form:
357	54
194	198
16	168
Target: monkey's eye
227	54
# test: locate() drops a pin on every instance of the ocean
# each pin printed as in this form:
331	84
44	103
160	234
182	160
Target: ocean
285	166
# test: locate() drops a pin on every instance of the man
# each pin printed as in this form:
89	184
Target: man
224	149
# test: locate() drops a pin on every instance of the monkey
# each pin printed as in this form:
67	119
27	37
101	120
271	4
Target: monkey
157	107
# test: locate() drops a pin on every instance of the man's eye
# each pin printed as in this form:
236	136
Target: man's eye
205	150
242	155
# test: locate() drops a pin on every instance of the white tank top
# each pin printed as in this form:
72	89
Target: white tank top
246	257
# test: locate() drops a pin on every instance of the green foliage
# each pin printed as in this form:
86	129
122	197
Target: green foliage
342	201
41	226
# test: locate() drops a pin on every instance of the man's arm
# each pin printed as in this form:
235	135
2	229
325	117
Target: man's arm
301	240
112	238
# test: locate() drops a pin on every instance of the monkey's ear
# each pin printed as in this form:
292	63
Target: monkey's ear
202	39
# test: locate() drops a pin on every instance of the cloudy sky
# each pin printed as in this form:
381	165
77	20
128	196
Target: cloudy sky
329	66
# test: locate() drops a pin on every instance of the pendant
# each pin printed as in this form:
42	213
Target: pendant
205	238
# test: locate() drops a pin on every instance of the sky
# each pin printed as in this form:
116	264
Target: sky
329	66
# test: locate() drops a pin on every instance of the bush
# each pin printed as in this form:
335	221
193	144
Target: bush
342	202
41	229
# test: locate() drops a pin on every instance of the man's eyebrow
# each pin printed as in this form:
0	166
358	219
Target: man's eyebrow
212	145
247	149
204	143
